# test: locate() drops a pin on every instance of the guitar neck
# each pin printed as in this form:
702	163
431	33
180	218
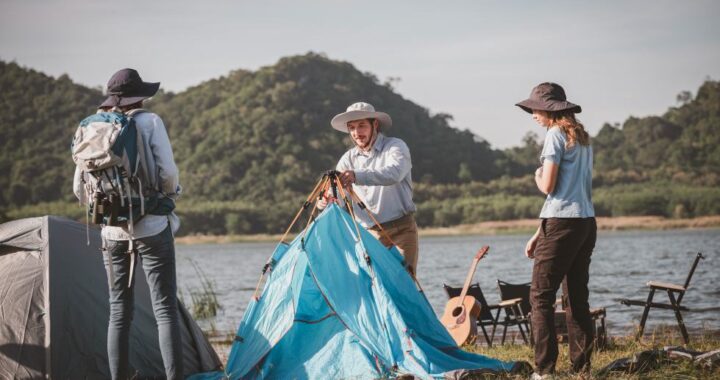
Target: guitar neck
481	253
468	279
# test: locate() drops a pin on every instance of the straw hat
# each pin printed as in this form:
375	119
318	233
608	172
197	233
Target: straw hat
359	111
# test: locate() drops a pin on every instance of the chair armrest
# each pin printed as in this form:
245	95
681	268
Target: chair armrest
510	302
665	286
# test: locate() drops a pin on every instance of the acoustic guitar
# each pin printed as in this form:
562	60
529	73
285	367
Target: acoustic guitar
461	313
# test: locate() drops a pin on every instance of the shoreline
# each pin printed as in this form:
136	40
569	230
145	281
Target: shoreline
506	227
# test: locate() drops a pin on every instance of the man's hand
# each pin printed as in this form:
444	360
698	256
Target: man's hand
347	178
322	203
325	200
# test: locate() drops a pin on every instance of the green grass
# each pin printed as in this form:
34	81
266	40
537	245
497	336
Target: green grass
620	347
617	348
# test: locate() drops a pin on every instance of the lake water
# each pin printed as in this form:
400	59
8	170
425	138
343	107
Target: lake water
621	265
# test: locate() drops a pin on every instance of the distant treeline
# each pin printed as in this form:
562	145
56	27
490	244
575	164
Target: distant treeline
459	207
250	146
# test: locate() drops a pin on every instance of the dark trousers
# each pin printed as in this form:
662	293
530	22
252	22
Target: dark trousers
562	255
157	254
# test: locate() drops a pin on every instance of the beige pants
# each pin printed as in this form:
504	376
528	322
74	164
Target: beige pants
405	237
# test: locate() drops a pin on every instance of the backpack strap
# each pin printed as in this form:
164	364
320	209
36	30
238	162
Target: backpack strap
135	111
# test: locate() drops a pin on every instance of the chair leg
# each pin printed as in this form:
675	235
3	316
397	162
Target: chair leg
522	333
495	322
605	334
504	332
676	308
645	314
530	333
517	315
505	326
487	338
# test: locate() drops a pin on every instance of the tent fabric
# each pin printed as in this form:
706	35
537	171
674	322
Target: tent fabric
54	308
336	305
26	234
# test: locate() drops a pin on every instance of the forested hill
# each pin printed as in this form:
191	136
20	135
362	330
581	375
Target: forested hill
249	135
684	142
254	134
36	127
251	144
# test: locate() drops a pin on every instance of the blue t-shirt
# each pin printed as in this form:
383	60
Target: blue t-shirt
572	196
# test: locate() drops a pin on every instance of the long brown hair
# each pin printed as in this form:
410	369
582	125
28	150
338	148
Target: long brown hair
574	130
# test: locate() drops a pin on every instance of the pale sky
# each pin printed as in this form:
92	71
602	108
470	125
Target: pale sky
471	59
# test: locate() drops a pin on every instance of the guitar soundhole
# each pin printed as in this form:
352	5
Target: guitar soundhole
457	311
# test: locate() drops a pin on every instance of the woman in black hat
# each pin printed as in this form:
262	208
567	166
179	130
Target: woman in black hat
564	242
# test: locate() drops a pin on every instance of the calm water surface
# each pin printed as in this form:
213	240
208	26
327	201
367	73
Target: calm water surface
621	265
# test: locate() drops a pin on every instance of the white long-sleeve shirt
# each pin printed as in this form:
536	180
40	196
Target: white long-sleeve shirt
382	179
162	174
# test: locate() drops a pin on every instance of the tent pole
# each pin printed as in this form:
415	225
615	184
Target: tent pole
349	206
362	206
304	207
382	230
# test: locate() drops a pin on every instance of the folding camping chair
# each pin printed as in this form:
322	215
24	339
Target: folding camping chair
516	301
486	318
674	304
596	314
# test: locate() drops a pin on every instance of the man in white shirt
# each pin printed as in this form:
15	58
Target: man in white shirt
378	169
152	235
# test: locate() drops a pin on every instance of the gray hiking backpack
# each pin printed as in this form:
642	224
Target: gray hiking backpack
109	151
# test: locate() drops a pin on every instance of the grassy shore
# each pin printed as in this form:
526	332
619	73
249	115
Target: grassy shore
623	347
618	347
521	226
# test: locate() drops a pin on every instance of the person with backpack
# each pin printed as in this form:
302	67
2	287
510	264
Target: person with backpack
565	239
378	169
130	188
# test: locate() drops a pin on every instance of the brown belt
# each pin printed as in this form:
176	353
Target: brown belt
394	223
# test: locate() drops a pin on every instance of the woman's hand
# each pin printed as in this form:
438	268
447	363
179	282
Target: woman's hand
546	176
531	245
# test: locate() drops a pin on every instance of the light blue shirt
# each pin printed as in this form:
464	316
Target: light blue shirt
382	179
572	196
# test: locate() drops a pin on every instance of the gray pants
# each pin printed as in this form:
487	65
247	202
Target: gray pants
157	254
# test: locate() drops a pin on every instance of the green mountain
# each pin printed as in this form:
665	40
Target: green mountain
251	144
249	135
264	134
35	133
685	141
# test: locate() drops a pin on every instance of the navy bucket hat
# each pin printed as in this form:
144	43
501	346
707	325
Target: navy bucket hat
126	87
548	96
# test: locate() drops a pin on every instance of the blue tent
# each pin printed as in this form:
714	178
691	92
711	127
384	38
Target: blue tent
336	305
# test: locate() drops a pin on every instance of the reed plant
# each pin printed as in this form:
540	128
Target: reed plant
205	304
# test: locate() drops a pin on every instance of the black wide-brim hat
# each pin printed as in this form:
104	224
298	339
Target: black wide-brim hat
548	96
126	87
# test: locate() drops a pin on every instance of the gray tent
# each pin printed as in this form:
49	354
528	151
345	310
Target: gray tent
54	308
